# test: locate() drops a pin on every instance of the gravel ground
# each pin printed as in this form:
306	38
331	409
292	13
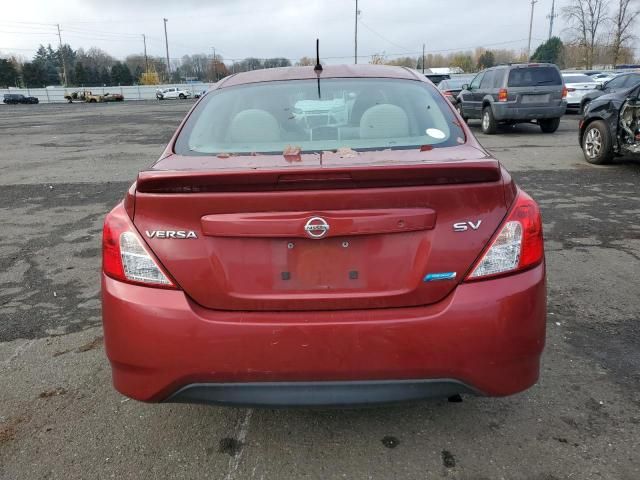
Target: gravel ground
64	166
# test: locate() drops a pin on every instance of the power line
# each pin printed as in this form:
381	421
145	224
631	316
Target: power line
29	33
382	36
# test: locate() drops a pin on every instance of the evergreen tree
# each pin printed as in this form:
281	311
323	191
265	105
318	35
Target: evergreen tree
137	73
80	74
48	60
550	51
34	75
486	60
105	76
8	73
120	74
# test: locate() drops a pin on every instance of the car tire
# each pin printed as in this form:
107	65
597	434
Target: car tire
489	124
596	143
549	125
182	97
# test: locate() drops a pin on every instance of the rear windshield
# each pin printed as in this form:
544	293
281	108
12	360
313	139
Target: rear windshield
534	76
312	115
454	83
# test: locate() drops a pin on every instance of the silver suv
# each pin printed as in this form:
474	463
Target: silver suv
513	94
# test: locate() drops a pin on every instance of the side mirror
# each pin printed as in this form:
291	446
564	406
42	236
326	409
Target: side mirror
600	86
465	87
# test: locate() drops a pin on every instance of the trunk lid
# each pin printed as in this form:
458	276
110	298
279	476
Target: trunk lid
325	232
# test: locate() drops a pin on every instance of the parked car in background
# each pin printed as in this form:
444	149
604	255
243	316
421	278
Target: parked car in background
199	94
397	260
172	92
619	83
436	78
611	126
577	85
518	93
452	87
604	77
15	98
89	97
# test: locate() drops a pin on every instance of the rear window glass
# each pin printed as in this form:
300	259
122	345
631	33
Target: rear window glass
311	116
455	83
534	76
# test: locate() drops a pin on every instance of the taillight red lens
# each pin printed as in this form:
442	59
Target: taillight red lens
503	95
518	245
125	256
564	92
111	260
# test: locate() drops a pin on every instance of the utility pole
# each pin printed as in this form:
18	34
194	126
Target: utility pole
552	16
533	4
356	38
146	59
166	44
423	58
215	66
64	64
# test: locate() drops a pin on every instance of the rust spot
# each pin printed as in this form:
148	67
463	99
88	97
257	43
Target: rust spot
53	393
8	430
95	343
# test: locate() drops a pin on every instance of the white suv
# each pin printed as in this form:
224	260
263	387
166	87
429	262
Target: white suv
173	92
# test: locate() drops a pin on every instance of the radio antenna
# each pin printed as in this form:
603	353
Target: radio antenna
318	67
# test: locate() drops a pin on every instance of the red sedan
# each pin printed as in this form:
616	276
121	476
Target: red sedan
331	237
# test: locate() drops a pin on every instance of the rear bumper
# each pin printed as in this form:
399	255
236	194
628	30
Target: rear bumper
317	394
507	111
486	337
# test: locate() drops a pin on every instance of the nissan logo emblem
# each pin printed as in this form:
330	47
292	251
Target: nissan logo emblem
316	227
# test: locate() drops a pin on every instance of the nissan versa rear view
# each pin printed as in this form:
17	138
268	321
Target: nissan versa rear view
323	237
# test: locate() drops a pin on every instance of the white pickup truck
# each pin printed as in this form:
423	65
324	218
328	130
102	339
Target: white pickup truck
172	92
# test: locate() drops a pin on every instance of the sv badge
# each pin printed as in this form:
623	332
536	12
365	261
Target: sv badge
464	226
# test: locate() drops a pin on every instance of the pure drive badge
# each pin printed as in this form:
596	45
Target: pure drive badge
173	234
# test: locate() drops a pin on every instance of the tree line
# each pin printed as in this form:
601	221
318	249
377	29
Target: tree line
95	67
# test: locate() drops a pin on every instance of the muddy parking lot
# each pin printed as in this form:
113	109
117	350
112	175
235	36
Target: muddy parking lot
64	166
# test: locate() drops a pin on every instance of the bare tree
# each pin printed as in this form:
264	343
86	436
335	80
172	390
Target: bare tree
305	62
585	19
623	21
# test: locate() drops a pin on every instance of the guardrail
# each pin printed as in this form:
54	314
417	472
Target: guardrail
130	92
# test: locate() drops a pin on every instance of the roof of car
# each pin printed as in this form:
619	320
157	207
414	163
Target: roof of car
328	71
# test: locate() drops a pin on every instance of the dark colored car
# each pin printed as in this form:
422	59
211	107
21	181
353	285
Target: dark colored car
512	94
452	87
621	83
611	126
15	98
331	238
436	78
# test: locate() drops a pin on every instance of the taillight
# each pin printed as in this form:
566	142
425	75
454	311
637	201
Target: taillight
125	256
518	244
565	91
503	95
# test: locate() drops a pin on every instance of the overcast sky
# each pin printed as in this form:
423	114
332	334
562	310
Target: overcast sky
270	28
